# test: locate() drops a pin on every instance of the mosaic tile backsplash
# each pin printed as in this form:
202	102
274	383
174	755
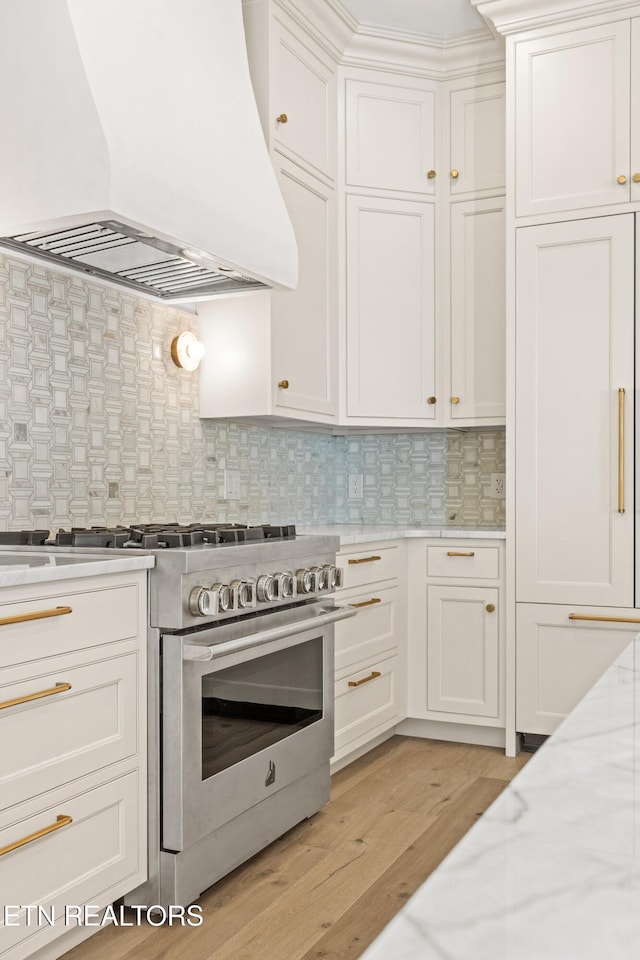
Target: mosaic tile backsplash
98	426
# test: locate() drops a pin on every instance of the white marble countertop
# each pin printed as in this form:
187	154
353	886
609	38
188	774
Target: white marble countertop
552	869
364	533
38	565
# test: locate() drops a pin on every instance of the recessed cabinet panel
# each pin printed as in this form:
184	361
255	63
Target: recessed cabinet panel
303	320
462	652
478	311
477	139
559	659
390	309
572	119
635	100
574	454
303	92
390	136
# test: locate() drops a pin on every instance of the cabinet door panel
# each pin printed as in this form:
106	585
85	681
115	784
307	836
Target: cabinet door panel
390	136
462	651
304	339
478	290
574	350
477	139
572	119
635	103
303	90
390	309
558	660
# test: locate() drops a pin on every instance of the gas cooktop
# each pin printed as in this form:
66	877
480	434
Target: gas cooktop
150	536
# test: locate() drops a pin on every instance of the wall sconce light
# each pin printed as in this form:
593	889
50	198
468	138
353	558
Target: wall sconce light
187	351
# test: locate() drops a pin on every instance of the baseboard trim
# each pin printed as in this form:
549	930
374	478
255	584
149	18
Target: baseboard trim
457	732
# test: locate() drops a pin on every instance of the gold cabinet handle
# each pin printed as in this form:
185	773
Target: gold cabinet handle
621	450
366	603
59	688
284	384
431	399
455	553
455	174
455	399
636	178
584	616
622	179
372	676
431	174
365	559
61	821
38	615
490	607
283	118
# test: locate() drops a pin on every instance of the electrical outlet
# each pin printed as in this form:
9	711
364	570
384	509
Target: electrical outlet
355	486
232	485
497	486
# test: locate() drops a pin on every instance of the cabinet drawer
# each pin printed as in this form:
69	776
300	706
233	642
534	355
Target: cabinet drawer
95	617
59	737
372	633
96	853
461	562
369	566
364	707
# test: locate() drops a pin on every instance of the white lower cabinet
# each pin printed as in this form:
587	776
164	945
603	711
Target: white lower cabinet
561	651
73	796
456	632
370	683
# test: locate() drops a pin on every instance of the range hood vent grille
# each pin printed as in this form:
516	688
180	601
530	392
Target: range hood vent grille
115	251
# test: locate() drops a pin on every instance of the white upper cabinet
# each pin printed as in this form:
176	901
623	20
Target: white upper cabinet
477	140
477	375
295	86
390	310
574	448
572	120
390	136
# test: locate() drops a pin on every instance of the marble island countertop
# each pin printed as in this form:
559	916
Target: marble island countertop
38	565
350	533
552	869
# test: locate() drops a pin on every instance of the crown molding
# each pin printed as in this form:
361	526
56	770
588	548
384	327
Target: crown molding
513	16
328	22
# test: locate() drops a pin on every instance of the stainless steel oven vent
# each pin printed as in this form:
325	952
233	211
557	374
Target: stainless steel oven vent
118	252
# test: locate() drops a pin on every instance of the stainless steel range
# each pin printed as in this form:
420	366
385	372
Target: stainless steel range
240	691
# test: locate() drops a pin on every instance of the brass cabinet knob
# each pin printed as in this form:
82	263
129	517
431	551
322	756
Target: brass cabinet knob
284	384
431	174
455	174
283	118
622	179
490	607
455	399
636	178
431	399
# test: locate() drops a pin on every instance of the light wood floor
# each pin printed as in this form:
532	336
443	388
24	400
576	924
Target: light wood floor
327	888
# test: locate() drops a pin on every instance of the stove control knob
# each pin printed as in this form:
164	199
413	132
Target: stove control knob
316	579
329	577
203	602
304	580
224	595
286	584
247	594
266	588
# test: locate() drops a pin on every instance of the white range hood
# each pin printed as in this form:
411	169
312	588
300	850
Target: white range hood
130	146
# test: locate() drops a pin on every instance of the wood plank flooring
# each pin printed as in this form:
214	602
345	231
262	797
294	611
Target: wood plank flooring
327	888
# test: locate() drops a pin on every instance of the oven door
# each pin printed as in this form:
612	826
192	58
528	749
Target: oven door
246	710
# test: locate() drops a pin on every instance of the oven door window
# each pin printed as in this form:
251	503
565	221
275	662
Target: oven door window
250	706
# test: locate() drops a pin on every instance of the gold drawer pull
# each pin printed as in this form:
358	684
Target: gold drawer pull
636	178
283	118
61	821
622	179
284	384
621	450
365	559
39	615
366	603
455	174
431	174
456	553
59	688
372	676
584	616
490	607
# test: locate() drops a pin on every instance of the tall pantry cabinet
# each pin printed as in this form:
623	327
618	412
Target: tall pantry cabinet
573	187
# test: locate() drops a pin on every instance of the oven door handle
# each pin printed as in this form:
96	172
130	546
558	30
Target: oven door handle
322	618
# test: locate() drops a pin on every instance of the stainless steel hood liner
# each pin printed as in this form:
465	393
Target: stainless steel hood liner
130	146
